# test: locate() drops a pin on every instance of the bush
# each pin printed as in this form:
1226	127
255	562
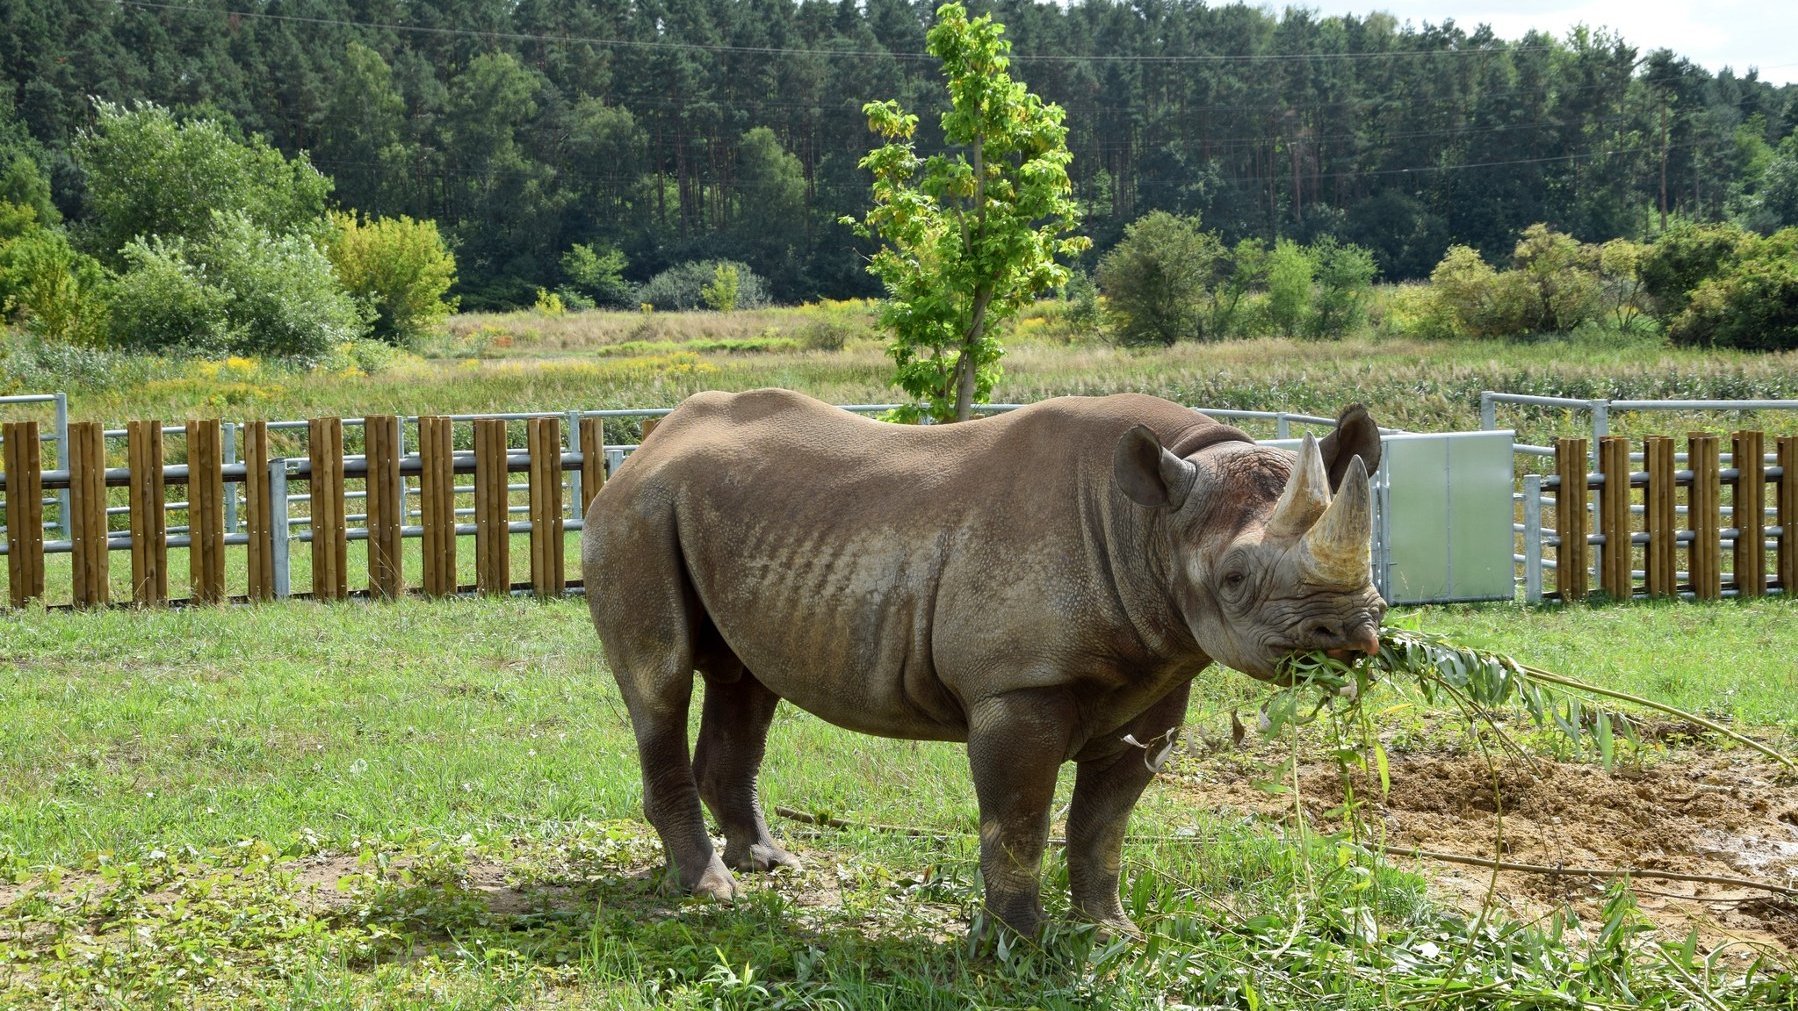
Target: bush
398	269
151	174
1753	305
1562	277
279	295
55	292
1289	273
1155	279
1474	300
683	287
721	294
597	274
164	301
1684	257
1344	282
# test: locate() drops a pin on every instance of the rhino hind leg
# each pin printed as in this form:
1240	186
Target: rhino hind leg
1106	788
733	735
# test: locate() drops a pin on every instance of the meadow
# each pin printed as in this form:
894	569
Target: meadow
436	804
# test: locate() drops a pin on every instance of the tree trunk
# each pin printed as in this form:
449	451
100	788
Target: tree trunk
966	368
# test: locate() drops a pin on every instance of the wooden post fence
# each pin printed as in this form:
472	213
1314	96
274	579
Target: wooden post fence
259	512
24	513
543	439
205	511
149	523
492	519
87	514
593	460
437	504
1748	499
1615	570
381	449
329	536
1704	516
1570	519
1787	502
1661	565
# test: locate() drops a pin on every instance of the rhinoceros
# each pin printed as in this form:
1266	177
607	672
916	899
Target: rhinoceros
1042	585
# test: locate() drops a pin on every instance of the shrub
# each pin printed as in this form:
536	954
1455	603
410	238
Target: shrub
1561	276
398	269
1344	282
1474	300
1289	273
1752	305
55	292
597	274
1685	256
1155	279
279	295
683	287
163	301
721	294
151	174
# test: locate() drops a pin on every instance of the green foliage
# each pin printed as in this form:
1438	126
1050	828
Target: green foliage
1752	304
398	269
1561	276
238	289
149	173
720	294
1344	276
597	273
1157	278
1683	257
164	301
54	291
1289	275
683	287
1621	296
1474	300
966	239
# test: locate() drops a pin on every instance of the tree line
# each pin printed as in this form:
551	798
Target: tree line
658	132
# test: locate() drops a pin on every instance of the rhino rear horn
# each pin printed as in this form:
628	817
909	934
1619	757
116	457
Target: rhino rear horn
1148	474
1306	496
1339	548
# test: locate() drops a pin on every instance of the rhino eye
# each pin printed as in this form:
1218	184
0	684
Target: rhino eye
1234	580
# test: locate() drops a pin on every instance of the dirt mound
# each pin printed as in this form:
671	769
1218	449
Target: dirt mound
1709	814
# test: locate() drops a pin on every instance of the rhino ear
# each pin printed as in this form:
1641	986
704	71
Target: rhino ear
1148	474
1355	435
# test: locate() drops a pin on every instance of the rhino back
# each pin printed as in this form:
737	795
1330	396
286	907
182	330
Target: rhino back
880	575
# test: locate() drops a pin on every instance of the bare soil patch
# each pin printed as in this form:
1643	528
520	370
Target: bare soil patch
1719	814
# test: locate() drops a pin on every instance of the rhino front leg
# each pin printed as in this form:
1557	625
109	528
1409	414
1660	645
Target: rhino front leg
1016	744
1106	788
733	735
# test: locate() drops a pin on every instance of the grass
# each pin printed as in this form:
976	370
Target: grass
178	782
526	361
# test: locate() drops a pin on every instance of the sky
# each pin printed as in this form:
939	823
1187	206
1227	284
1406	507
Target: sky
1715	34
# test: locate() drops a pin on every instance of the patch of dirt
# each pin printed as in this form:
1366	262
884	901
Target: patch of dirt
1712	814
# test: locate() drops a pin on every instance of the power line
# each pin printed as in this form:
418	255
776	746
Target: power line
665	44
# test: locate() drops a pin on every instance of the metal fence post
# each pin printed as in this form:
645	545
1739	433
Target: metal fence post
1532	538
1488	411
1282	428
280	527
63	519
574	476
228	447
1601	421
399	453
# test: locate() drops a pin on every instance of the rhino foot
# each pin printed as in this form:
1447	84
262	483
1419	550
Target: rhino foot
715	883
761	856
1114	927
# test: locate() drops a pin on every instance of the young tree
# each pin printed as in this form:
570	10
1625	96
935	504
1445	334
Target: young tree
967	238
398	268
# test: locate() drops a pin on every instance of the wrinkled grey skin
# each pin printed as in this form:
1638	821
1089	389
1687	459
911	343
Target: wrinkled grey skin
1040	585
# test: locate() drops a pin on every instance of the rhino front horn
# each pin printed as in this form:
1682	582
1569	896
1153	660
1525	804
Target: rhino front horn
1306	496
1340	545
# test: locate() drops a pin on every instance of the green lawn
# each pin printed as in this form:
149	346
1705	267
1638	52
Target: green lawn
183	790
